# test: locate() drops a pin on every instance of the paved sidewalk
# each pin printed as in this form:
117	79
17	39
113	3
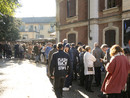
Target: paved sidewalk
22	79
25	79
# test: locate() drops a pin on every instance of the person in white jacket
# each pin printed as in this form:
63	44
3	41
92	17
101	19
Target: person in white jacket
89	71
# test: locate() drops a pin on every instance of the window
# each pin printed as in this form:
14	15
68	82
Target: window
72	38
111	3
41	27
41	36
110	37
37	36
51	29
26	28
35	29
126	35
71	8
31	28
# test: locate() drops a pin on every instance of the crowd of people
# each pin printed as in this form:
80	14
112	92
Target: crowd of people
85	65
37	51
67	62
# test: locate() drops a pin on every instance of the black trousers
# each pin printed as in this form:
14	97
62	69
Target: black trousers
58	85
88	81
16	54
82	76
114	95
98	75
75	71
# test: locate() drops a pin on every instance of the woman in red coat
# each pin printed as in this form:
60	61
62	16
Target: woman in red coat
117	72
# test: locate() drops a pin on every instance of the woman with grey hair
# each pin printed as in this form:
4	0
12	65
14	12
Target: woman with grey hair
89	71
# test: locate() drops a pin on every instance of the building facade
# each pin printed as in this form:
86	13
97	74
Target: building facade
90	21
37	28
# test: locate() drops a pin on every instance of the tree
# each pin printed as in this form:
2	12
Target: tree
9	26
7	7
9	30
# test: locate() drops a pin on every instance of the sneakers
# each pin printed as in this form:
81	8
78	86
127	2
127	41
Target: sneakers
65	89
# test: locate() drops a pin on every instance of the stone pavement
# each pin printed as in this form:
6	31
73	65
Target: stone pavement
25	79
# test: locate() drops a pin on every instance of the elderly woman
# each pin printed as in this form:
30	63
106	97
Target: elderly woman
89	59
117	72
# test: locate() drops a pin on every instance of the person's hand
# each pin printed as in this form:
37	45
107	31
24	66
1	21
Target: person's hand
101	60
66	76
52	77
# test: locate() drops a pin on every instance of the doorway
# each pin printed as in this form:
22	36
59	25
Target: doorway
72	38
110	36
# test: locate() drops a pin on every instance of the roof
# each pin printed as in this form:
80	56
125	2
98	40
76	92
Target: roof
38	19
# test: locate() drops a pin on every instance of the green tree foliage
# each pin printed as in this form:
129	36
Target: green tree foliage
9	26
9	29
7	7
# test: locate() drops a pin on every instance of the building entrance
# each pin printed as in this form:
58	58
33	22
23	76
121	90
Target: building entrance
110	36
72	38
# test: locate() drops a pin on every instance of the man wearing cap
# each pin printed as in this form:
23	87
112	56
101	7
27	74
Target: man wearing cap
59	69
104	48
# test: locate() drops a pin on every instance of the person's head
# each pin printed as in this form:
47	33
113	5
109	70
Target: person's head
80	49
104	47
37	44
65	41
49	44
54	46
127	51
79	44
72	45
96	44
67	47
60	46
115	49
88	49
83	48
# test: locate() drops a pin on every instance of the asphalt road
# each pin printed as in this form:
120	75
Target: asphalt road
25	79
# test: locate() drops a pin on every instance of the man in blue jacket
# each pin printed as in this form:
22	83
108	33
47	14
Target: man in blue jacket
59	69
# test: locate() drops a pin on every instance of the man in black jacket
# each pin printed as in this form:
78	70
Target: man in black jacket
59	68
16	50
75	59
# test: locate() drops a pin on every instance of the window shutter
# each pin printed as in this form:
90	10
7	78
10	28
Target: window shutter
101	5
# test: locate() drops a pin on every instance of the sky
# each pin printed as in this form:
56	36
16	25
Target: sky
36	8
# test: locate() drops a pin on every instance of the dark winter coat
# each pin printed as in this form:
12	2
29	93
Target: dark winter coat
98	53
60	64
74	55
